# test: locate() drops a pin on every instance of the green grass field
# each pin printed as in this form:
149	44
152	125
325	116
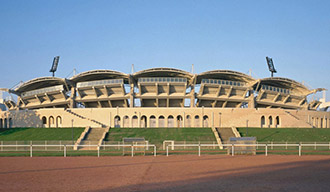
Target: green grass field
287	134
39	134
158	135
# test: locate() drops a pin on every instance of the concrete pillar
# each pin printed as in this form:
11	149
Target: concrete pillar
184	119
73	98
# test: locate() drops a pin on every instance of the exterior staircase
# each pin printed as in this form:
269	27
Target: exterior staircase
308	124
94	136
225	134
82	117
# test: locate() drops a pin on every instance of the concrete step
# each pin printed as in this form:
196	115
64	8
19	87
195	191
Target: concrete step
225	134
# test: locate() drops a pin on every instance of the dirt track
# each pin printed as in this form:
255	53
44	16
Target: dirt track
173	173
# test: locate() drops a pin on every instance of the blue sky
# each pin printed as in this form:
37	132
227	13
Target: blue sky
234	35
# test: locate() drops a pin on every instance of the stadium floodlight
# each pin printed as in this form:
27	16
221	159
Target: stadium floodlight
271	65
55	64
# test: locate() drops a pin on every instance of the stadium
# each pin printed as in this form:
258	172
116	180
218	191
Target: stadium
163	97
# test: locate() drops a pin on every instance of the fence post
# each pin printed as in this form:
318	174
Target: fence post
199	149
16	145
2	145
30	150
286	145
98	151
272	144
266	150
299	149
132	150
232	149
45	145
60	145
167	150
257	145
155	152
314	145
64	150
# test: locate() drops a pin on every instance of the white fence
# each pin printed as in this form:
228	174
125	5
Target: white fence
34	148
258	146
133	148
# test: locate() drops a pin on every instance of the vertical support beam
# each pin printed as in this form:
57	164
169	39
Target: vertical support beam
131	94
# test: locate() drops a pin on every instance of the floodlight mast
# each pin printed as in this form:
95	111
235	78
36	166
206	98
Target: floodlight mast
55	64
271	66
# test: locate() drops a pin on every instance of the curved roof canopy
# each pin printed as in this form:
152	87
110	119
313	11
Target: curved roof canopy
94	75
39	83
225	75
287	84
163	72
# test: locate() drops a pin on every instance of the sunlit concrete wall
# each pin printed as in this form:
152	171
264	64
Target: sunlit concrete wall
165	117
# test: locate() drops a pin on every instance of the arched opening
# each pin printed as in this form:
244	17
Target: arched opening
5	123
58	121
313	122
179	121
143	121
277	121
326	123
270	121
161	121
126	121
1	123
205	121
135	122
316	122
188	121
263	121
170	121
10	122
117	121
321	123
152	121
44	121
197	122
51	121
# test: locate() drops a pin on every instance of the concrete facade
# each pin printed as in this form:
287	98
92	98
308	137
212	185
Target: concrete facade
163	97
165	117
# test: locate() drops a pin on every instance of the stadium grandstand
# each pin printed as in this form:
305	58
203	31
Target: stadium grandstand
163	97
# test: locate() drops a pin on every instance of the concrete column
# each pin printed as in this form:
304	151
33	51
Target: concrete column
139	120
131	95
148	122
157	121
73	98
184	119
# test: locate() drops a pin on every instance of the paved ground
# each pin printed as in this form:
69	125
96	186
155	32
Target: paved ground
173	173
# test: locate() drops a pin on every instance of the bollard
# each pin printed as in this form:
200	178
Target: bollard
299	149
266	153
155	152
199	149
167	150
64	150
98	151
